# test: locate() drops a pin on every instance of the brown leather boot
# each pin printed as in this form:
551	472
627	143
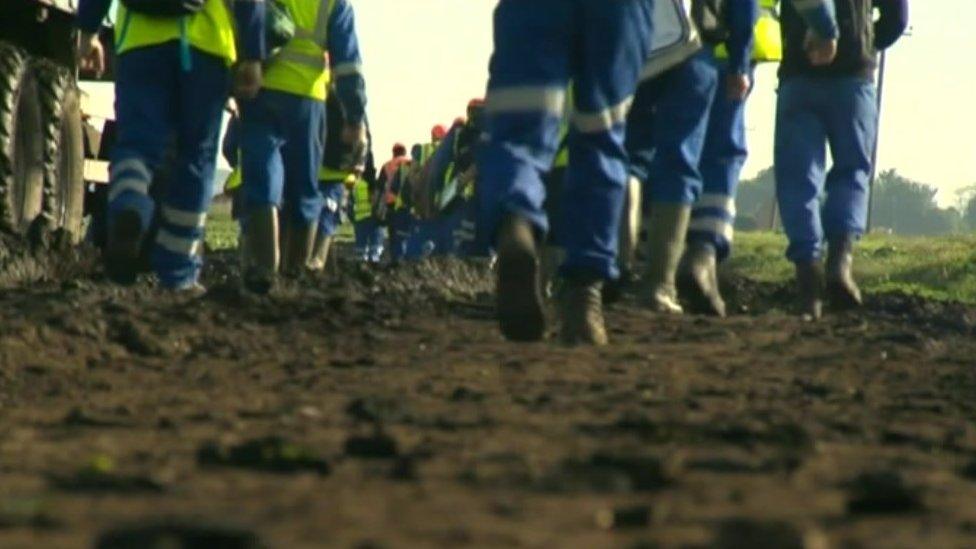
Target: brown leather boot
842	290
521	315
698	280
666	231
810	283
582	313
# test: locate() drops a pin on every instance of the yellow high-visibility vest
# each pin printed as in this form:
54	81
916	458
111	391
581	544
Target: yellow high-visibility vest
362	207
767	41
211	30
302	65
331	175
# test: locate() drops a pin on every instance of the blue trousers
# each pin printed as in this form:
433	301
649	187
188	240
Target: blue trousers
158	105
281	151
666	130
811	113
334	194
423	239
725	153
402	226
540	46
370	238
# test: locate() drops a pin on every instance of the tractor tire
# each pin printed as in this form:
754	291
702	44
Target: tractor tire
64	151
21	142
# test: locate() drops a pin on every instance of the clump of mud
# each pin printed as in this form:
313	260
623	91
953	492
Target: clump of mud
43	256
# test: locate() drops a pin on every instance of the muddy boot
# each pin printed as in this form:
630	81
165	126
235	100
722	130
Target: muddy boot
124	247
810	284
698	280
666	228
552	259
519	284
842	290
300	244
320	254
263	255
582	313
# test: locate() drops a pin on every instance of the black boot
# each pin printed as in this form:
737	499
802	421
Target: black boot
582	313
124	247
842	290
263	254
521	315
698	280
810	283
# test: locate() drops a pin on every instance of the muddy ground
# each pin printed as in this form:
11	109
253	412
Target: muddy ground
381	409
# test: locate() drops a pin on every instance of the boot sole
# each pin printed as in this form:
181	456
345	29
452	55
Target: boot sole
122	253
520	310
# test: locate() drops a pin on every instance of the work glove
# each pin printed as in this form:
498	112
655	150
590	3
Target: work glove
355	140
91	54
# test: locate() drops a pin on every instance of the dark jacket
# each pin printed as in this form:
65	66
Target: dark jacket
859	42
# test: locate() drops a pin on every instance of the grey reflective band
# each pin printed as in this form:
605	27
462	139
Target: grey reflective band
313	61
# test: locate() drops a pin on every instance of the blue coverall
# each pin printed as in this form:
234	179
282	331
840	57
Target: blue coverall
540	46
160	100
281	134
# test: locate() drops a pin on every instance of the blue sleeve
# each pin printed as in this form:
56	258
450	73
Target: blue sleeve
91	13
820	15
742	16
249	16
346	60
892	22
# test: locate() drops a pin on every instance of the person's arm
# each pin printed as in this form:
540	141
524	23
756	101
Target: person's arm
230	148
742	15
249	15
820	16
892	23
346	59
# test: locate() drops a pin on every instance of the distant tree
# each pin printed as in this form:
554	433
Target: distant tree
969	214
909	207
755	200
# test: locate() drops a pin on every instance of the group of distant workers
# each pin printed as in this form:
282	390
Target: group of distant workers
599	117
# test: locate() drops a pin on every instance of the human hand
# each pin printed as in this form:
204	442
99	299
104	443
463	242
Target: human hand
355	139
91	54
820	51
247	80
737	86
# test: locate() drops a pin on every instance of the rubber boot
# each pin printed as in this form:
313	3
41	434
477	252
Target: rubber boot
842	290
299	248
582	313
666	228
698	280
627	248
552	259
124	248
521	315
320	254
810	284
263	255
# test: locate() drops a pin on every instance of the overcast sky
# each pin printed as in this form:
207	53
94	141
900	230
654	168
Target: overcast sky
424	59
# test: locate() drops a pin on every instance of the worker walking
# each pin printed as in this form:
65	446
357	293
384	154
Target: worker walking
281	136
827	96
368	230
541	46
395	202
172	78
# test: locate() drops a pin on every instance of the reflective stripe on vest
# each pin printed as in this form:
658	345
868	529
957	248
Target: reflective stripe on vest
211	30
302	67
768	43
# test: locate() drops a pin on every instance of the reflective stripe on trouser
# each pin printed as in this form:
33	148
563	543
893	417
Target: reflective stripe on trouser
666	130
540	46
333	194
724	155
159	106
281	151
810	113
402	224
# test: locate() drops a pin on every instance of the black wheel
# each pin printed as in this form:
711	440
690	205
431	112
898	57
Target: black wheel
21	142
64	151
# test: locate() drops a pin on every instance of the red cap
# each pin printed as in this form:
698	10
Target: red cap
438	132
399	150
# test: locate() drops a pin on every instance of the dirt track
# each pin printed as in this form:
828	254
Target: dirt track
400	419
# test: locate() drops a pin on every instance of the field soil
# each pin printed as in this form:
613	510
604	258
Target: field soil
376	408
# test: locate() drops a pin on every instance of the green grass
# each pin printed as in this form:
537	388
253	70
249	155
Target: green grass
942	268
